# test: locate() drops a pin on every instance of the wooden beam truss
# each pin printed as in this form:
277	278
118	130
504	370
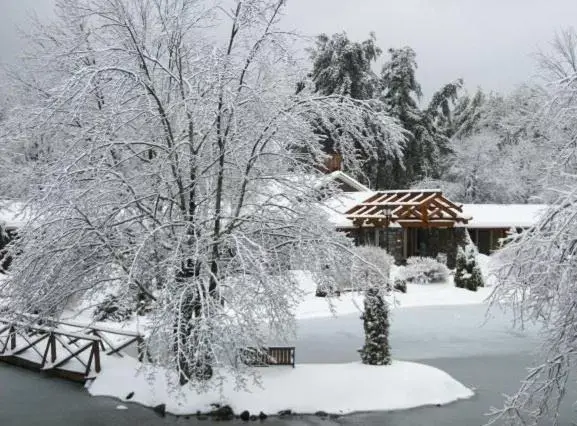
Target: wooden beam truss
409	209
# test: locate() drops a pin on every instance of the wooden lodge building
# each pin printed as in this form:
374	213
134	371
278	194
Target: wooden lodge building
423	222
420	222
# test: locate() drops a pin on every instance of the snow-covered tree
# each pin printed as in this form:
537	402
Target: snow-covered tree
376	350
539	272
344	67
341	66
427	142
176	178
466	115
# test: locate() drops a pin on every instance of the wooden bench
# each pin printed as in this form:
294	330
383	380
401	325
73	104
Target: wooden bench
276	355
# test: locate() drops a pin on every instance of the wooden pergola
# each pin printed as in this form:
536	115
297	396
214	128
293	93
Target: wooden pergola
408	209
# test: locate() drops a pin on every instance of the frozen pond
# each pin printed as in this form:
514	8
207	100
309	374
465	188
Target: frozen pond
485	355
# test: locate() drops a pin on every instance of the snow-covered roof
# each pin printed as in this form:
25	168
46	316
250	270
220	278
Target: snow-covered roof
408	208
345	178
12	214
503	215
338	205
481	215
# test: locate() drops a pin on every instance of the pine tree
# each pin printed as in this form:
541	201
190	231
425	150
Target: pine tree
427	143
341	66
344	67
376	350
467	114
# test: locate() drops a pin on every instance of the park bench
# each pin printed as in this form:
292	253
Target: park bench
264	357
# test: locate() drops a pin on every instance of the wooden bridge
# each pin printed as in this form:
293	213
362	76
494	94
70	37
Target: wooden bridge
65	348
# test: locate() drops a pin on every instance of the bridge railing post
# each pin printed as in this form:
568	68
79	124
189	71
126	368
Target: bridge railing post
96	351
12	338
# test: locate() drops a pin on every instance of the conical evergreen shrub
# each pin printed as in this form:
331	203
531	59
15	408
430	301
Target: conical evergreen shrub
468	272
376	349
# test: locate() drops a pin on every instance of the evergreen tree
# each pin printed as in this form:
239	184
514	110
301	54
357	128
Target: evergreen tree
460	268
441	107
341	66
427	141
376	350
467	114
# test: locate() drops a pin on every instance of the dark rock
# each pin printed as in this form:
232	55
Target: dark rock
202	417
160	410
245	416
262	416
334	416
438	405
223	413
215	405
253	418
284	413
198	413
130	395
321	414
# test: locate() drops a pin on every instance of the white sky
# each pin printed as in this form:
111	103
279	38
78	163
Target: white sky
489	43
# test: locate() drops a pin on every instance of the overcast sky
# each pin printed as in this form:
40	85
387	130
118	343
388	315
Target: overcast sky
489	43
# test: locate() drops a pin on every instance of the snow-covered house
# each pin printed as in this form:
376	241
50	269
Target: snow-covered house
425	222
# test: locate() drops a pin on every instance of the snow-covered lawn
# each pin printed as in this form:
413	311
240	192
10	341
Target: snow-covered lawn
417	295
308	388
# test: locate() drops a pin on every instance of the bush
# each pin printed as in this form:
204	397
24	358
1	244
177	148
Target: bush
468	271
112	309
400	285
371	268
424	270
326	283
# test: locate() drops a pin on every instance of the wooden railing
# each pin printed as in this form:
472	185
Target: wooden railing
68	348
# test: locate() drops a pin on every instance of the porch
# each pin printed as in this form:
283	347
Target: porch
409	223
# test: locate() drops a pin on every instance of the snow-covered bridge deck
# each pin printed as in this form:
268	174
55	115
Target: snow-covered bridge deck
67	349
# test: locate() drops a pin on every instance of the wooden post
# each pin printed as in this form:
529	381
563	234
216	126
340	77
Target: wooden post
52	343
140	348
12	338
96	351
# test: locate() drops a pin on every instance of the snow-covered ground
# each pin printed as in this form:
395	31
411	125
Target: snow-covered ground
337	387
308	388
417	295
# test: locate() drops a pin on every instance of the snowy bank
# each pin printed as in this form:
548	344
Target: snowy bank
308	388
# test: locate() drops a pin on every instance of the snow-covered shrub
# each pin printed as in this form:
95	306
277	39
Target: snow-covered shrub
400	285
112	308
468	272
326	281
424	270
376	349
442	258
371	268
